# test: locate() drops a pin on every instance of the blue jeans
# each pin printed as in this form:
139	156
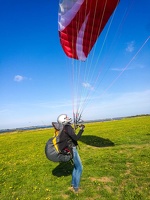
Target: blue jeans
77	171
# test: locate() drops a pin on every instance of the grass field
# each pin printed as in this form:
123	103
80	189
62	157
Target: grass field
115	157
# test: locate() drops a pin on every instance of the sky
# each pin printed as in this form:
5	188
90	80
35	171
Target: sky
36	77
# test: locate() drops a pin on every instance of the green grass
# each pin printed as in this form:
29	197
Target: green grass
115	157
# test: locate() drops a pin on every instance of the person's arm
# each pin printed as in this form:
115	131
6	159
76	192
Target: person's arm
72	134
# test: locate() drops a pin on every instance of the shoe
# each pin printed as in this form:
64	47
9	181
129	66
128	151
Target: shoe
75	190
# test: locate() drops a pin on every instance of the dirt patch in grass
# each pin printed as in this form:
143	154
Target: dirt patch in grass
128	171
102	179
64	196
109	190
105	180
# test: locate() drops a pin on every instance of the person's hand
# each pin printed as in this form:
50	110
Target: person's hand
82	127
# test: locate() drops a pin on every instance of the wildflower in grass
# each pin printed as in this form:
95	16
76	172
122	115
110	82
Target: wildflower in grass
47	190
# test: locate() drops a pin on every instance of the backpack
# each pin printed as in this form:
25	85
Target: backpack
52	150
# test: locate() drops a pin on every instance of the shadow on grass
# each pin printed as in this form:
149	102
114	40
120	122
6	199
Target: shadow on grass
63	169
96	141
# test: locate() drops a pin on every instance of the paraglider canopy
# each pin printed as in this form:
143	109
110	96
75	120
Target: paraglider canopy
80	24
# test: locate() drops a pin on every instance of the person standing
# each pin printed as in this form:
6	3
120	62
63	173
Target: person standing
69	140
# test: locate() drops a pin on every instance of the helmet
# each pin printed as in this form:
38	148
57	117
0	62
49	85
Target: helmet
63	119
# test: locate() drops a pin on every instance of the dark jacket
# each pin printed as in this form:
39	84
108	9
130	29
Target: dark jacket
68	138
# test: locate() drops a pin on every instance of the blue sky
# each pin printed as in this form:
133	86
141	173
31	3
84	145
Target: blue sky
36	76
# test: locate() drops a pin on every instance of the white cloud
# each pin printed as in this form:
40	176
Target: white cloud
132	67
18	78
88	86
130	47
